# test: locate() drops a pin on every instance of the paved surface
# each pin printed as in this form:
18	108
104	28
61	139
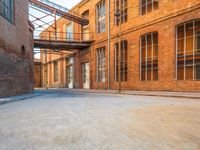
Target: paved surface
62	121
193	95
20	97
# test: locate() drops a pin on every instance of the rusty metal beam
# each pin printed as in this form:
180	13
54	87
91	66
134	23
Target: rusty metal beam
68	15
67	45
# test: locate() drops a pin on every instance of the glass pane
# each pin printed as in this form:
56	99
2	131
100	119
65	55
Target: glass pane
155	52
149	72
149	6
197	68
155	70
143	73
155	38
180	32
116	61
197	37
189	38
149	39
180	70
189	69
143	9
180	52
155	4
180	47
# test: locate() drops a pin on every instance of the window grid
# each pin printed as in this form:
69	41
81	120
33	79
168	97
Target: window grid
7	9
147	6
121	5
55	71
101	64
123	62
149	57
188	51
101	16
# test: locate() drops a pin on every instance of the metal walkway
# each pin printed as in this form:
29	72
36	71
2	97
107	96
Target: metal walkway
62	40
49	37
59	11
61	45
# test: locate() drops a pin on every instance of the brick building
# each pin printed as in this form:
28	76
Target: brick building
159	46
37	73
16	48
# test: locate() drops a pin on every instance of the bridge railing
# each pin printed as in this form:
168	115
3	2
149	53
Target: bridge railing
63	36
60	10
54	5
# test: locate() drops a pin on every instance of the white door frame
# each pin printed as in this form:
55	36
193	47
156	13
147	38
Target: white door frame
86	75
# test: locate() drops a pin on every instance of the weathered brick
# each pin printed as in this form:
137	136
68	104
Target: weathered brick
163	20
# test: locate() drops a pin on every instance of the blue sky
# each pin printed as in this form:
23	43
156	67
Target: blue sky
65	3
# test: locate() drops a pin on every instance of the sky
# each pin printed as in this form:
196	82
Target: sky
65	3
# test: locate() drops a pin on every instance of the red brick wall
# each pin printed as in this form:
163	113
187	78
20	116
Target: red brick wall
16	68
163	20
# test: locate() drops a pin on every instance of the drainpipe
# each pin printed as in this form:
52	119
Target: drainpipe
108	44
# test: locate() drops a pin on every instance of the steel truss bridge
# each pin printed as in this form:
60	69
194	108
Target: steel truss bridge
44	15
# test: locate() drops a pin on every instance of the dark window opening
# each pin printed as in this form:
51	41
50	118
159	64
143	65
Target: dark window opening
23	50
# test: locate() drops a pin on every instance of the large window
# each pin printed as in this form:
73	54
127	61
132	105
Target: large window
121	6
149	57
6	9
188	51
101	64
55	64
123	48
147	6
101	16
70	32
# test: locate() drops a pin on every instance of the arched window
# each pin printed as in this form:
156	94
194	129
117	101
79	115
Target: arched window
188	50
85	13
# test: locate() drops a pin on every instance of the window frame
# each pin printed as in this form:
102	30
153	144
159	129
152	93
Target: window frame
186	53
153	77
123	10
56	71
8	12
101	65
146	6
101	18
121	46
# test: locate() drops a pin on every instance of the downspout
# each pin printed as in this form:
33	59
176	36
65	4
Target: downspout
108	44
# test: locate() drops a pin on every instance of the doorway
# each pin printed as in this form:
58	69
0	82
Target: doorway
86	75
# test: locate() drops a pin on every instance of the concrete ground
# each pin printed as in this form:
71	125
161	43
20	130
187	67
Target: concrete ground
64	120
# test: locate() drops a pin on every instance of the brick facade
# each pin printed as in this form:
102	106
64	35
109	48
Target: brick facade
162	20
37	73
16	52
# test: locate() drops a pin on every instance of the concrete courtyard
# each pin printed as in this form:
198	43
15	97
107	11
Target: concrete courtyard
75	121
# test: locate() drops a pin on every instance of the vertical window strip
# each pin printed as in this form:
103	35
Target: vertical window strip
149	57
121	49
6	9
100	64
187	51
55	71
101	17
147	6
121	5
